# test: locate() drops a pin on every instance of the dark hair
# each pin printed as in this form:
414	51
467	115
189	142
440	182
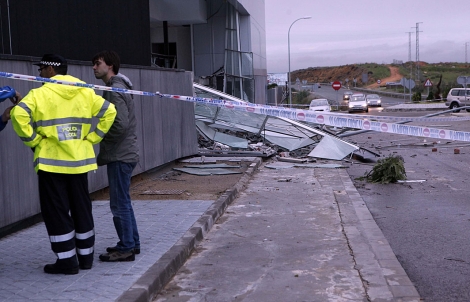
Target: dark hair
111	58
62	69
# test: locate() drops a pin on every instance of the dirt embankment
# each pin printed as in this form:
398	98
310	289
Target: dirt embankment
343	73
395	76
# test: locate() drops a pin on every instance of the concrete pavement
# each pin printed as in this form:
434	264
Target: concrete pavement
346	256
294	234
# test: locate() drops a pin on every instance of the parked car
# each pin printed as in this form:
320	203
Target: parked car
320	105
458	97
357	102
373	100
347	95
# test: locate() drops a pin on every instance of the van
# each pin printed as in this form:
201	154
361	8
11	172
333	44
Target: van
458	97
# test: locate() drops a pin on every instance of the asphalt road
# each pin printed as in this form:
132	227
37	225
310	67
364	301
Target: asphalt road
334	96
426	223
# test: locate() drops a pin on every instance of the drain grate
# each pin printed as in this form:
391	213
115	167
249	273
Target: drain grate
162	192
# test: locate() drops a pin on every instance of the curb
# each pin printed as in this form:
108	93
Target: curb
161	272
383	277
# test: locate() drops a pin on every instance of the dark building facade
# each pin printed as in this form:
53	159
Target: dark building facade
76	29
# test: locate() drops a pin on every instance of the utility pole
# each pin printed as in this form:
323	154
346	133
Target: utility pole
466	43
409	45
417	49
409	55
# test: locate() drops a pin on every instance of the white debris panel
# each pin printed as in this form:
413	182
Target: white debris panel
237	128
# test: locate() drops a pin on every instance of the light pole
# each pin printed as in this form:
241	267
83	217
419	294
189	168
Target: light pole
288	50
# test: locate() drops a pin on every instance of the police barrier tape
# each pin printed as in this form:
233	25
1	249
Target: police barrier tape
363	122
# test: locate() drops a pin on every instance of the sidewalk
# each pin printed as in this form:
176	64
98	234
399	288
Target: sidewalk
348	257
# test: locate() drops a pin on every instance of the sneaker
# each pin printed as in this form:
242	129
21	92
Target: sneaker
114	249
58	269
117	256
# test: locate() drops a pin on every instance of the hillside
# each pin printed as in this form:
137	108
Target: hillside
385	73
341	73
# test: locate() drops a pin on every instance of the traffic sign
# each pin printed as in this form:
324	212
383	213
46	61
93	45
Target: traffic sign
463	80
336	85
428	83
379	81
408	83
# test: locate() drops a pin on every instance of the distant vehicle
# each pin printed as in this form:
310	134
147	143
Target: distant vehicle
373	100
320	105
458	97
347	95
357	102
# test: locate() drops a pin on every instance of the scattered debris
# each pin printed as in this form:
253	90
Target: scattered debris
200	159
281	165
209	166
205	172
456	151
416	180
292	160
278	166
329	166
455	259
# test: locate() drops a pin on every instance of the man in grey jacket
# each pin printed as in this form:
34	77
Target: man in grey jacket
119	151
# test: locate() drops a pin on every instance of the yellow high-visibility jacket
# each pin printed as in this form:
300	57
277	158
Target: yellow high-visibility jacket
55	120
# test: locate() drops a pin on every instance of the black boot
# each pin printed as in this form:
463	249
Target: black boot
85	262
64	266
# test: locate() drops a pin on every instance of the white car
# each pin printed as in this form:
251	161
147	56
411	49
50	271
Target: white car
320	105
458	97
357	102
374	100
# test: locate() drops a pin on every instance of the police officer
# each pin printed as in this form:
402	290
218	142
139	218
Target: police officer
55	120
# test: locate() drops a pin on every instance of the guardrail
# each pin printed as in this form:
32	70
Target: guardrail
394	94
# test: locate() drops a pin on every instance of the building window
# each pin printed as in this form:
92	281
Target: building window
163	59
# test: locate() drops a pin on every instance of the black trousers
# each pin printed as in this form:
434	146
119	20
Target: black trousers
67	213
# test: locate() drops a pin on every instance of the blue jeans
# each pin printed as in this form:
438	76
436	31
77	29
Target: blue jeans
119	177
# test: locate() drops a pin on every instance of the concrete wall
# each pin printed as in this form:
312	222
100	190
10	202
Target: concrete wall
166	132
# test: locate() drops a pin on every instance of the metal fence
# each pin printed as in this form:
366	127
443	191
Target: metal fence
166	132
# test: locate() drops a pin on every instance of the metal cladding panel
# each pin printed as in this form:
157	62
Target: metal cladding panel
165	139
19	196
166	132
151	121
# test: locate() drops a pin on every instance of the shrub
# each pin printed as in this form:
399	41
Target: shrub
388	170
416	98
272	85
430	96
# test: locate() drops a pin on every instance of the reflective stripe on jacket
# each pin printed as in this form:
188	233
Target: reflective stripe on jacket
54	120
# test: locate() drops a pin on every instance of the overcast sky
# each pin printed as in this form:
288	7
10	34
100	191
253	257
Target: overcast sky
363	31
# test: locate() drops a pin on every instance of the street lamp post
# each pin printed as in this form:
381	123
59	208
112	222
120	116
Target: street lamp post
288	50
